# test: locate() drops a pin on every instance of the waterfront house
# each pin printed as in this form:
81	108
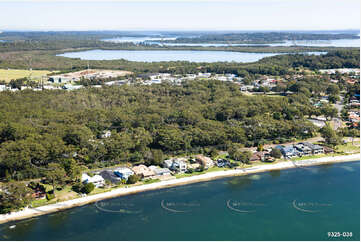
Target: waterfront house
160	171
39	191
179	165
176	164
206	162
123	173
327	150
257	156
223	163
287	151
97	180
168	163
110	176
143	171
303	149
316	149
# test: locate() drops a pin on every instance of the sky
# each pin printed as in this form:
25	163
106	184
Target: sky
179	14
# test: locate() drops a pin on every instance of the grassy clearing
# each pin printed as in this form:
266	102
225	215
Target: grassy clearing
308	157
150	181
349	148
8	75
212	169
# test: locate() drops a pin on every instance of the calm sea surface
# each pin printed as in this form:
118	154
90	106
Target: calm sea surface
294	204
170	55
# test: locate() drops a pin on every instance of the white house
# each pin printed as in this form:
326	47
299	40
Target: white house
3	88
60	79
106	134
176	164
97	180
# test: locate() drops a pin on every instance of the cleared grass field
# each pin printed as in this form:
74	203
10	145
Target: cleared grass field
8	75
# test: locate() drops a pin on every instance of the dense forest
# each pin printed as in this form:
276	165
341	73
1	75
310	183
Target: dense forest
39	128
62	126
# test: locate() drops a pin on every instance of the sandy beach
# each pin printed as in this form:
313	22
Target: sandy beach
32	212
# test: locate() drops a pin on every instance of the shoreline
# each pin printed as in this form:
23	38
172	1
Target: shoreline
51	208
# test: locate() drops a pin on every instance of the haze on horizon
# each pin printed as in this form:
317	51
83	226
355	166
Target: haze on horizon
180	15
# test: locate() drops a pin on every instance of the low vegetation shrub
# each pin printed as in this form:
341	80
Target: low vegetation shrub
50	195
87	188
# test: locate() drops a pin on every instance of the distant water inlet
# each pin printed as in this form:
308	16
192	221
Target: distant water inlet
319	43
171	55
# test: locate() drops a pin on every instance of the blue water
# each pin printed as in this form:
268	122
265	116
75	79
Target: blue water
170	55
294	204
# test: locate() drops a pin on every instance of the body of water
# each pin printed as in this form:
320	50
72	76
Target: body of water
296	204
137	40
320	43
170	55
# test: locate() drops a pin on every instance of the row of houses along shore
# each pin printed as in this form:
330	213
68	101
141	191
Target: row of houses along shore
177	165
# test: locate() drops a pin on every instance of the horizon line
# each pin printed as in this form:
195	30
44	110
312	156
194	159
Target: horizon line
169	30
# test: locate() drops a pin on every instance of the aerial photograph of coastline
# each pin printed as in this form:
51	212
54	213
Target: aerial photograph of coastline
180	120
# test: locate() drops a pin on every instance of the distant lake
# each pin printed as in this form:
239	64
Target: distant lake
136	40
321	43
170	55
295	204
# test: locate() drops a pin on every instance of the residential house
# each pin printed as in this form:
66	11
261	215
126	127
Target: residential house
179	165
287	151
97	180
160	171
110	176
61	79
268	158
106	134
168	163
223	163
123	173
2	88
206	162
245	88
204	75
39	191
193	166
143	171
257	156
303	149
176	164
72	87
328	150
316	149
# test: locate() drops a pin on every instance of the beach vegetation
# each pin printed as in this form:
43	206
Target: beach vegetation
87	188
132	179
50	195
276	153
14	196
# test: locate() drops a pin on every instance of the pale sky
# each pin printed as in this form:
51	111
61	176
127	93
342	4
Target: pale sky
179	14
